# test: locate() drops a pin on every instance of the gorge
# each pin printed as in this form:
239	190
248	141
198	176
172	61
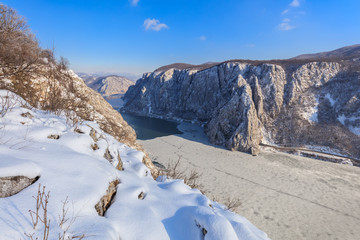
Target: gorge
245	104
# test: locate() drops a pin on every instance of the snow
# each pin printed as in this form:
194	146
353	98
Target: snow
12	166
331	100
70	168
311	112
349	122
193	71
324	149
314	116
342	119
355	130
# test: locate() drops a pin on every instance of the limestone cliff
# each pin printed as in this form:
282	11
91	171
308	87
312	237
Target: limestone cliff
244	104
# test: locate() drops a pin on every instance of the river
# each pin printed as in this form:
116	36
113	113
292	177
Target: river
149	128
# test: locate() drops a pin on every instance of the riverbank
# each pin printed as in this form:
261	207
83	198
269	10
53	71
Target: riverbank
287	196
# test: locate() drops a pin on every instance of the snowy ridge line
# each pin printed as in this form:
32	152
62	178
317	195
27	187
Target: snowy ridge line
355	162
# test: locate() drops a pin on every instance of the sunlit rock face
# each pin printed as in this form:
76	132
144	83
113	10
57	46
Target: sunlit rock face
244	105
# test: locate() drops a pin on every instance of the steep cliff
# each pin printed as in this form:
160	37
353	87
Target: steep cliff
245	104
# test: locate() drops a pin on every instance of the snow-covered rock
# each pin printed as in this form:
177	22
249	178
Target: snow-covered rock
77	175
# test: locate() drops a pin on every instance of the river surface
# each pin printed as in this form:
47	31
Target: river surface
149	128
287	196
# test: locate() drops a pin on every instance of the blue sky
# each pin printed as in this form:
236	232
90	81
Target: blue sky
138	36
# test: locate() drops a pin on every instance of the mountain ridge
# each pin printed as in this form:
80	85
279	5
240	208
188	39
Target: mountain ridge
346	52
243	103
343	53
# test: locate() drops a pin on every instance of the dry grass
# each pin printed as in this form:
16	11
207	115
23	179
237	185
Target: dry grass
40	216
231	203
172	171
40	213
5	104
66	222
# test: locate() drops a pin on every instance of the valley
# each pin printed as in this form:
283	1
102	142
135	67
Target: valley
165	121
287	196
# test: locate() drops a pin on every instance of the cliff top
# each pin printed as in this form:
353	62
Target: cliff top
347	53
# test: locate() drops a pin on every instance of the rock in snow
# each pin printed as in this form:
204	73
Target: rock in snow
81	181
243	104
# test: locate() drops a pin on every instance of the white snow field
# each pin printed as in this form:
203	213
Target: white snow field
70	169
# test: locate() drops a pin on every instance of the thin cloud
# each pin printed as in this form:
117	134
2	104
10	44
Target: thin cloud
134	2
285	26
154	24
202	38
295	3
285	11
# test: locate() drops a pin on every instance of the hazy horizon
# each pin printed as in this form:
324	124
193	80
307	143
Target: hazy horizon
137	36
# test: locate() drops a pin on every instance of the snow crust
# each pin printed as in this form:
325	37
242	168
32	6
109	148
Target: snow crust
70	168
348	122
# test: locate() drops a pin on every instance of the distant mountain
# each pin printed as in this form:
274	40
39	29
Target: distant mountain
130	76
341	53
112	87
181	66
108	86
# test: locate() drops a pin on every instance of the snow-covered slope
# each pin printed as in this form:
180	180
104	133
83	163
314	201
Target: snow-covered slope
71	168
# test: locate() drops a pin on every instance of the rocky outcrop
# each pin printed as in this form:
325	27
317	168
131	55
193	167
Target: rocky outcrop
12	185
66	92
97	109
243	104
105	201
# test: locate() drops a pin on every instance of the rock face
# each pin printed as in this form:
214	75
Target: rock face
12	185
105	201
246	104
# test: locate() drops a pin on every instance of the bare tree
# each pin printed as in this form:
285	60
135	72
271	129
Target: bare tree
19	49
